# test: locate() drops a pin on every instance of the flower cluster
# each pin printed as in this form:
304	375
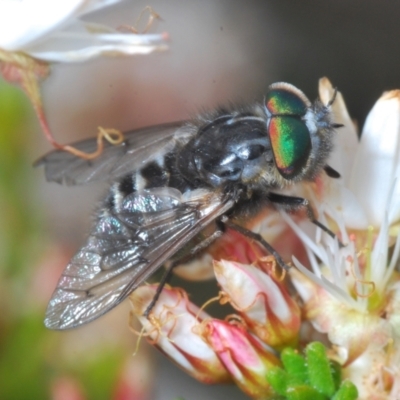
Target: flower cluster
344	293
34	34
352	291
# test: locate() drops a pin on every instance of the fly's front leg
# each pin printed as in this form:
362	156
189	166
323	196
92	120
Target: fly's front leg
256	237
293	203
172	264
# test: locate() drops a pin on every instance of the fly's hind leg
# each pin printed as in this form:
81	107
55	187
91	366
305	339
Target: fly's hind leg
172	264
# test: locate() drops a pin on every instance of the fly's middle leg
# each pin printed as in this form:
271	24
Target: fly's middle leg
172	264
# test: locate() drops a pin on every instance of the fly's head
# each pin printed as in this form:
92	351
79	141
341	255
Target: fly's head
300	133
261	147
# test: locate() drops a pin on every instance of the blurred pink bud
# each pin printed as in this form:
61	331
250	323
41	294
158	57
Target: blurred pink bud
173	326
66	388
246	358
136	379
262	301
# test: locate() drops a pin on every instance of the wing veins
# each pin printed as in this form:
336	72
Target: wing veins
172	249
95	292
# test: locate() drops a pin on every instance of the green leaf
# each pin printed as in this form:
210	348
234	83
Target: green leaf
336	371
295	366
347	391
278	379
303	393
313	377
319	369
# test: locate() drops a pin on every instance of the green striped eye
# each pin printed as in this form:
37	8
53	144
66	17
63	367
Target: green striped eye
288	133
284	101
291	144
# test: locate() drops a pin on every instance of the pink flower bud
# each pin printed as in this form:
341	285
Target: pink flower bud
245	357
262	301
173	327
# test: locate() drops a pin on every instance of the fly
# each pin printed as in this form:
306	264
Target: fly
174	182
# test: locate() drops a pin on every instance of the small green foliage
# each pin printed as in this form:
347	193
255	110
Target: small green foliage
346	391
99	375
23	371
303	392
336	371
19	226
295	365
319	369
312	376
278	379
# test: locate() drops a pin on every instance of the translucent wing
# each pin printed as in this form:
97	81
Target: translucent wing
126	247
115	161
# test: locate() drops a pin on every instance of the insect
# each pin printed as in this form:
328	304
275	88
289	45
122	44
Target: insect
172	183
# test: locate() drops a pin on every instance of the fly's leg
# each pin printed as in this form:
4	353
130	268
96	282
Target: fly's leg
332	173
168	272
293	203
256	237
164	280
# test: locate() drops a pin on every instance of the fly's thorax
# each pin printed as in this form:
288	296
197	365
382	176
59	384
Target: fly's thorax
230	147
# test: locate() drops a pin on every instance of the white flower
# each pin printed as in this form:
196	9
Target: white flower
52	31
375	175
370	168
352	293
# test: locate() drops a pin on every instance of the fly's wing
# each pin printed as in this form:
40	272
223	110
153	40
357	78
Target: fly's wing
139	147
126	247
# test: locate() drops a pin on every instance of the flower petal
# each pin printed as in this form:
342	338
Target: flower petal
342	201
337	197
81	42
351	330
263	303
346	139
173	326
25	21
50	31
377	161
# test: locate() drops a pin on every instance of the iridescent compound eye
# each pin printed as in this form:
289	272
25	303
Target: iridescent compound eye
289	135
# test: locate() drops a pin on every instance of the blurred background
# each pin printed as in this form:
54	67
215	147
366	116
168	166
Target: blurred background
220	51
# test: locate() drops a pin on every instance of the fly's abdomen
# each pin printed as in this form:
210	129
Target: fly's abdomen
160	172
